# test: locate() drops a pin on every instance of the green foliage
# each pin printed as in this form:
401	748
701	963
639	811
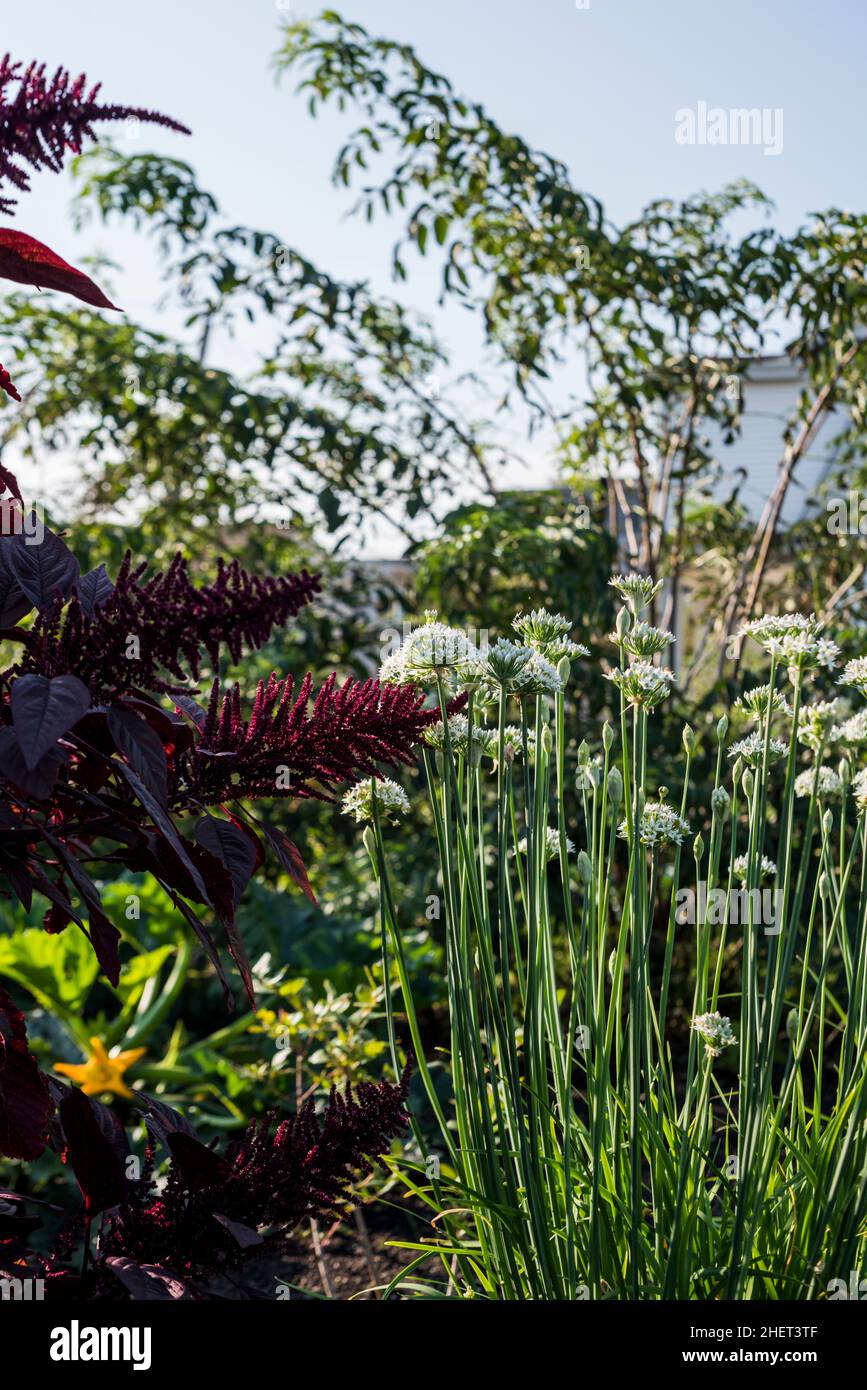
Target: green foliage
59	971
327	1034
527	549
665	314
340	416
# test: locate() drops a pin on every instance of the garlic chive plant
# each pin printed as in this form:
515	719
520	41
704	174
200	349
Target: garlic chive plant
612	1128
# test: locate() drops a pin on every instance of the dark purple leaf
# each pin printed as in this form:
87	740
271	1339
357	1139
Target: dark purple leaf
54	893
192	711
56	920
104	935
174	731
15	1218
142	748
14	1224
244	1235
231	846
157	856
162	1119
226	845
221	889
290	858
198	1165
31	262
26	1199
238	952
147	1283
105	939
14	603
165	826
93	589
42	569
111	1128
25	1104
19	881
9	483
204	938
106	1118
99	1170
37	782
44	710
246	829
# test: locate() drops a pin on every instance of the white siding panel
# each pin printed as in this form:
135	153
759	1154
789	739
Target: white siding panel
768	405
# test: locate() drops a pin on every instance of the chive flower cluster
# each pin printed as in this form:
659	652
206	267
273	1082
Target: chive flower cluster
825	780
751	750
641	682
659	824
392	801
716	1030
795	640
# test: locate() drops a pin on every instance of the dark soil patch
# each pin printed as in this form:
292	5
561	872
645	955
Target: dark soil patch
354	1258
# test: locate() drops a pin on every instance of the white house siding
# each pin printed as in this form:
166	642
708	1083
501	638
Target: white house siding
770	399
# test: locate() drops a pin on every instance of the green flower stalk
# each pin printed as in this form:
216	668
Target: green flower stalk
655	1084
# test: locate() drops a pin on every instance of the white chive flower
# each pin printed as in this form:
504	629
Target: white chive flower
816	723
853	731
391	800
802	652
751	749
636	589
513	743
459	734
828	783
504	661
774	627
755	702
642	683
432	650
644	641
538	677
546	634
855	673
716	1030
795	640
859	790
659	824
552	844
767	868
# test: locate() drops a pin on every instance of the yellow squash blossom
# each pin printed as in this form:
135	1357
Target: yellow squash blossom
102	1072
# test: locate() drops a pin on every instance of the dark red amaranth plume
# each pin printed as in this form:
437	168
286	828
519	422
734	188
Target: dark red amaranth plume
349	730
143	632
269	1178
44	119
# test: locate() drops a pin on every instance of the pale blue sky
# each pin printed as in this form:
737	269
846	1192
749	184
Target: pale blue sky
598	87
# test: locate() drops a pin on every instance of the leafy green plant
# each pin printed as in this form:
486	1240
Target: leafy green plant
326	1034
